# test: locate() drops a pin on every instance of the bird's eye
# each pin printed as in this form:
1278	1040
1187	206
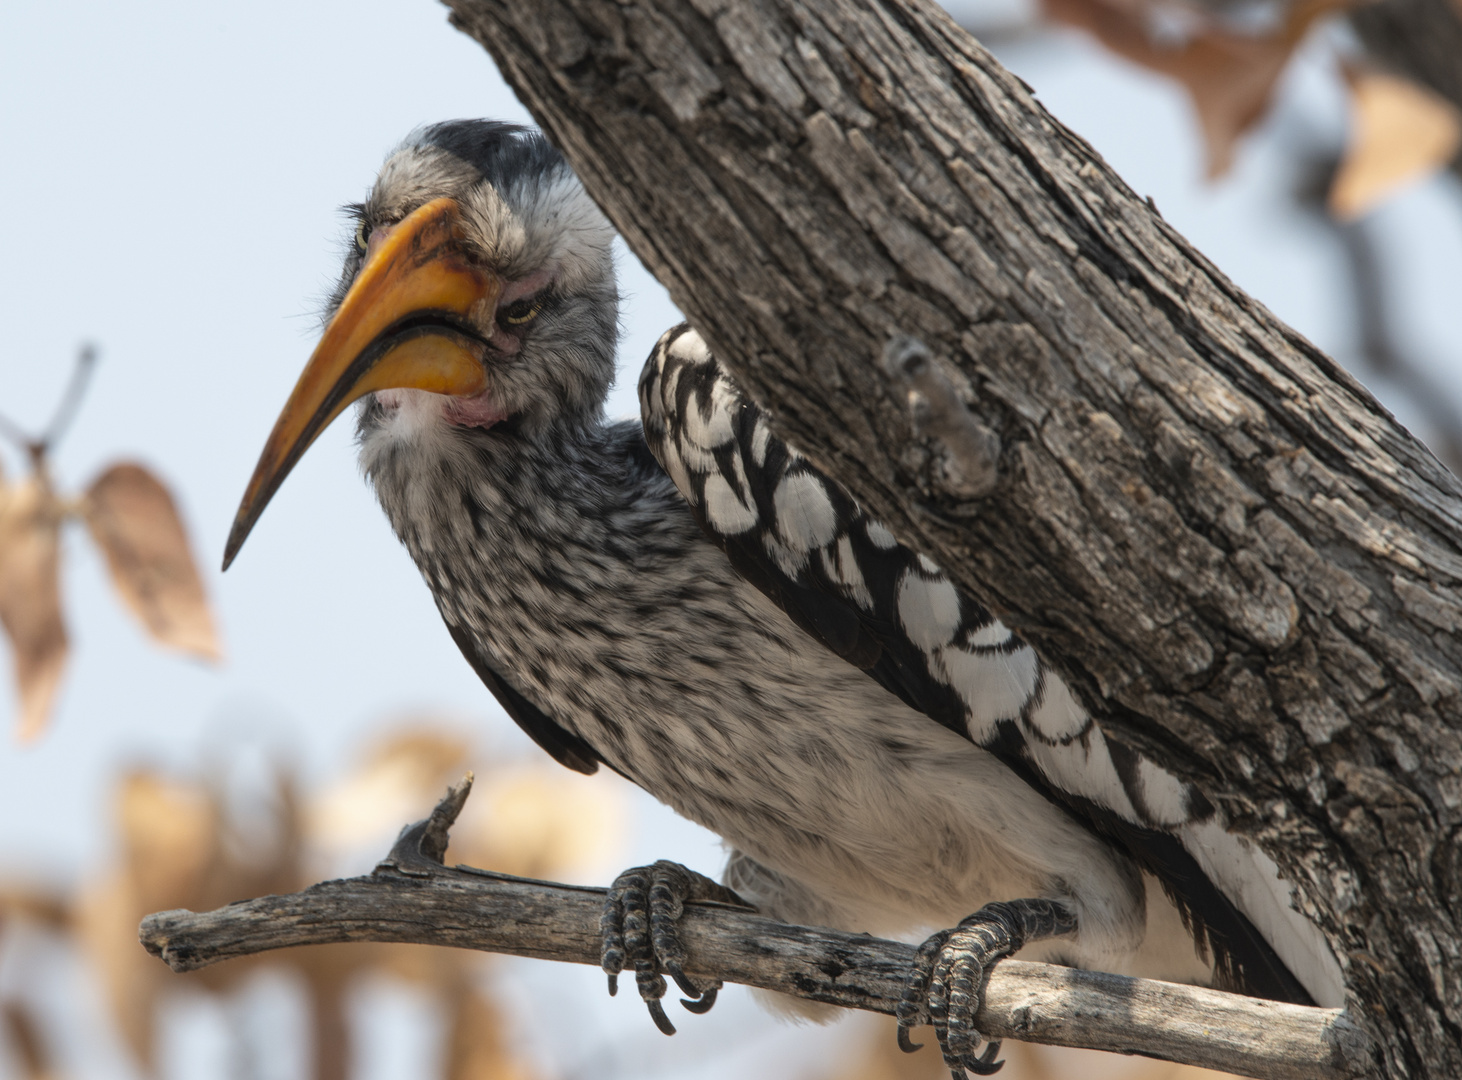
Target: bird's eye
520	311
362	235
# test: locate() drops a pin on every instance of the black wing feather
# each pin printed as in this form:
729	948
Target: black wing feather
563	745
705	433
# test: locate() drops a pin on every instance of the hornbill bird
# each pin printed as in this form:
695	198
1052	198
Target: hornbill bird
692	603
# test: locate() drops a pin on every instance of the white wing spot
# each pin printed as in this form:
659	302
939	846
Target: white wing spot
1251	879
708	431
1058	716
1164	796
761	435
994	686
841	565
880	536
1086	769
691	348
986	637
805	515
928	565
697	458
727	513
668	385
677	471
929	610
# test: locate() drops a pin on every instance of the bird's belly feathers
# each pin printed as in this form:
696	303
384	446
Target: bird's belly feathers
630	629
718	705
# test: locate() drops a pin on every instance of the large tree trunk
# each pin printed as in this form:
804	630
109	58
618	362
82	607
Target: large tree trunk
1238	558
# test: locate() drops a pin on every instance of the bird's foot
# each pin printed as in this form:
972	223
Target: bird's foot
947	986
639	930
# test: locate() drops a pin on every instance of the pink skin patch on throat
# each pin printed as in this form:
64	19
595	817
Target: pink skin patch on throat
479	410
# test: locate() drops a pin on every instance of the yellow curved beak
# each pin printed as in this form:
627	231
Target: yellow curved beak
404	323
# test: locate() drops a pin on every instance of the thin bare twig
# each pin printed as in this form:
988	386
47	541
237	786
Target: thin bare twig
15	433
71	399
64	414
413	897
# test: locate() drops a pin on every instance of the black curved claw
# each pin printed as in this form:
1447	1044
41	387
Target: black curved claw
985	1064
639	929
946	985
701	1005
700	1001
674	970
906	1044
657	1014
913	1006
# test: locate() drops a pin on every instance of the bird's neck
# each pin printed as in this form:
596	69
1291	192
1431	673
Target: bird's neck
503	523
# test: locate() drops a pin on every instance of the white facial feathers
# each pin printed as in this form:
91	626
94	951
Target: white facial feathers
547	223
526	226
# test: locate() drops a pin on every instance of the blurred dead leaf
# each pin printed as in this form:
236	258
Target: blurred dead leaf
178	848
398	775
175	852
170	836
477	1047
1400	132
1229	77
24	1035
30	596
35	904
536	821
133	520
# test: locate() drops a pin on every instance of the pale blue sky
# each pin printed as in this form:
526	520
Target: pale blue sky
171	179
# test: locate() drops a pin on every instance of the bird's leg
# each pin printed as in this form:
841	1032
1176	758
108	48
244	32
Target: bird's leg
946	987
639	929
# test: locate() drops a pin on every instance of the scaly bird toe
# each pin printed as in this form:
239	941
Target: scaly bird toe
947	984
640	930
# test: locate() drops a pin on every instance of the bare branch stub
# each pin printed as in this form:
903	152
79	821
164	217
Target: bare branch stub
62	417
427	840
70	401
411	897
969	451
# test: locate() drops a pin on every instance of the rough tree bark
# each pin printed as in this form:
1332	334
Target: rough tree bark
1238	558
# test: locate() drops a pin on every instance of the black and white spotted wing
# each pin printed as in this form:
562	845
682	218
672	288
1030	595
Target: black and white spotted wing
847	581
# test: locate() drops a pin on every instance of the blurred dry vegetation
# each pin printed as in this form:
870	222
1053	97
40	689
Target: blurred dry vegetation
132	518
184	842
1401	64
1401	131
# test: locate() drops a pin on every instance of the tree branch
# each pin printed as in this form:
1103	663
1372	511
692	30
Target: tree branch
412	897
1240	562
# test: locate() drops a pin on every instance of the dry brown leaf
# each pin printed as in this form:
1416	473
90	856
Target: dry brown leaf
25	1037
479	1046
1228	76
133	520
531	821
170	835
30	597
400	776
1400	132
